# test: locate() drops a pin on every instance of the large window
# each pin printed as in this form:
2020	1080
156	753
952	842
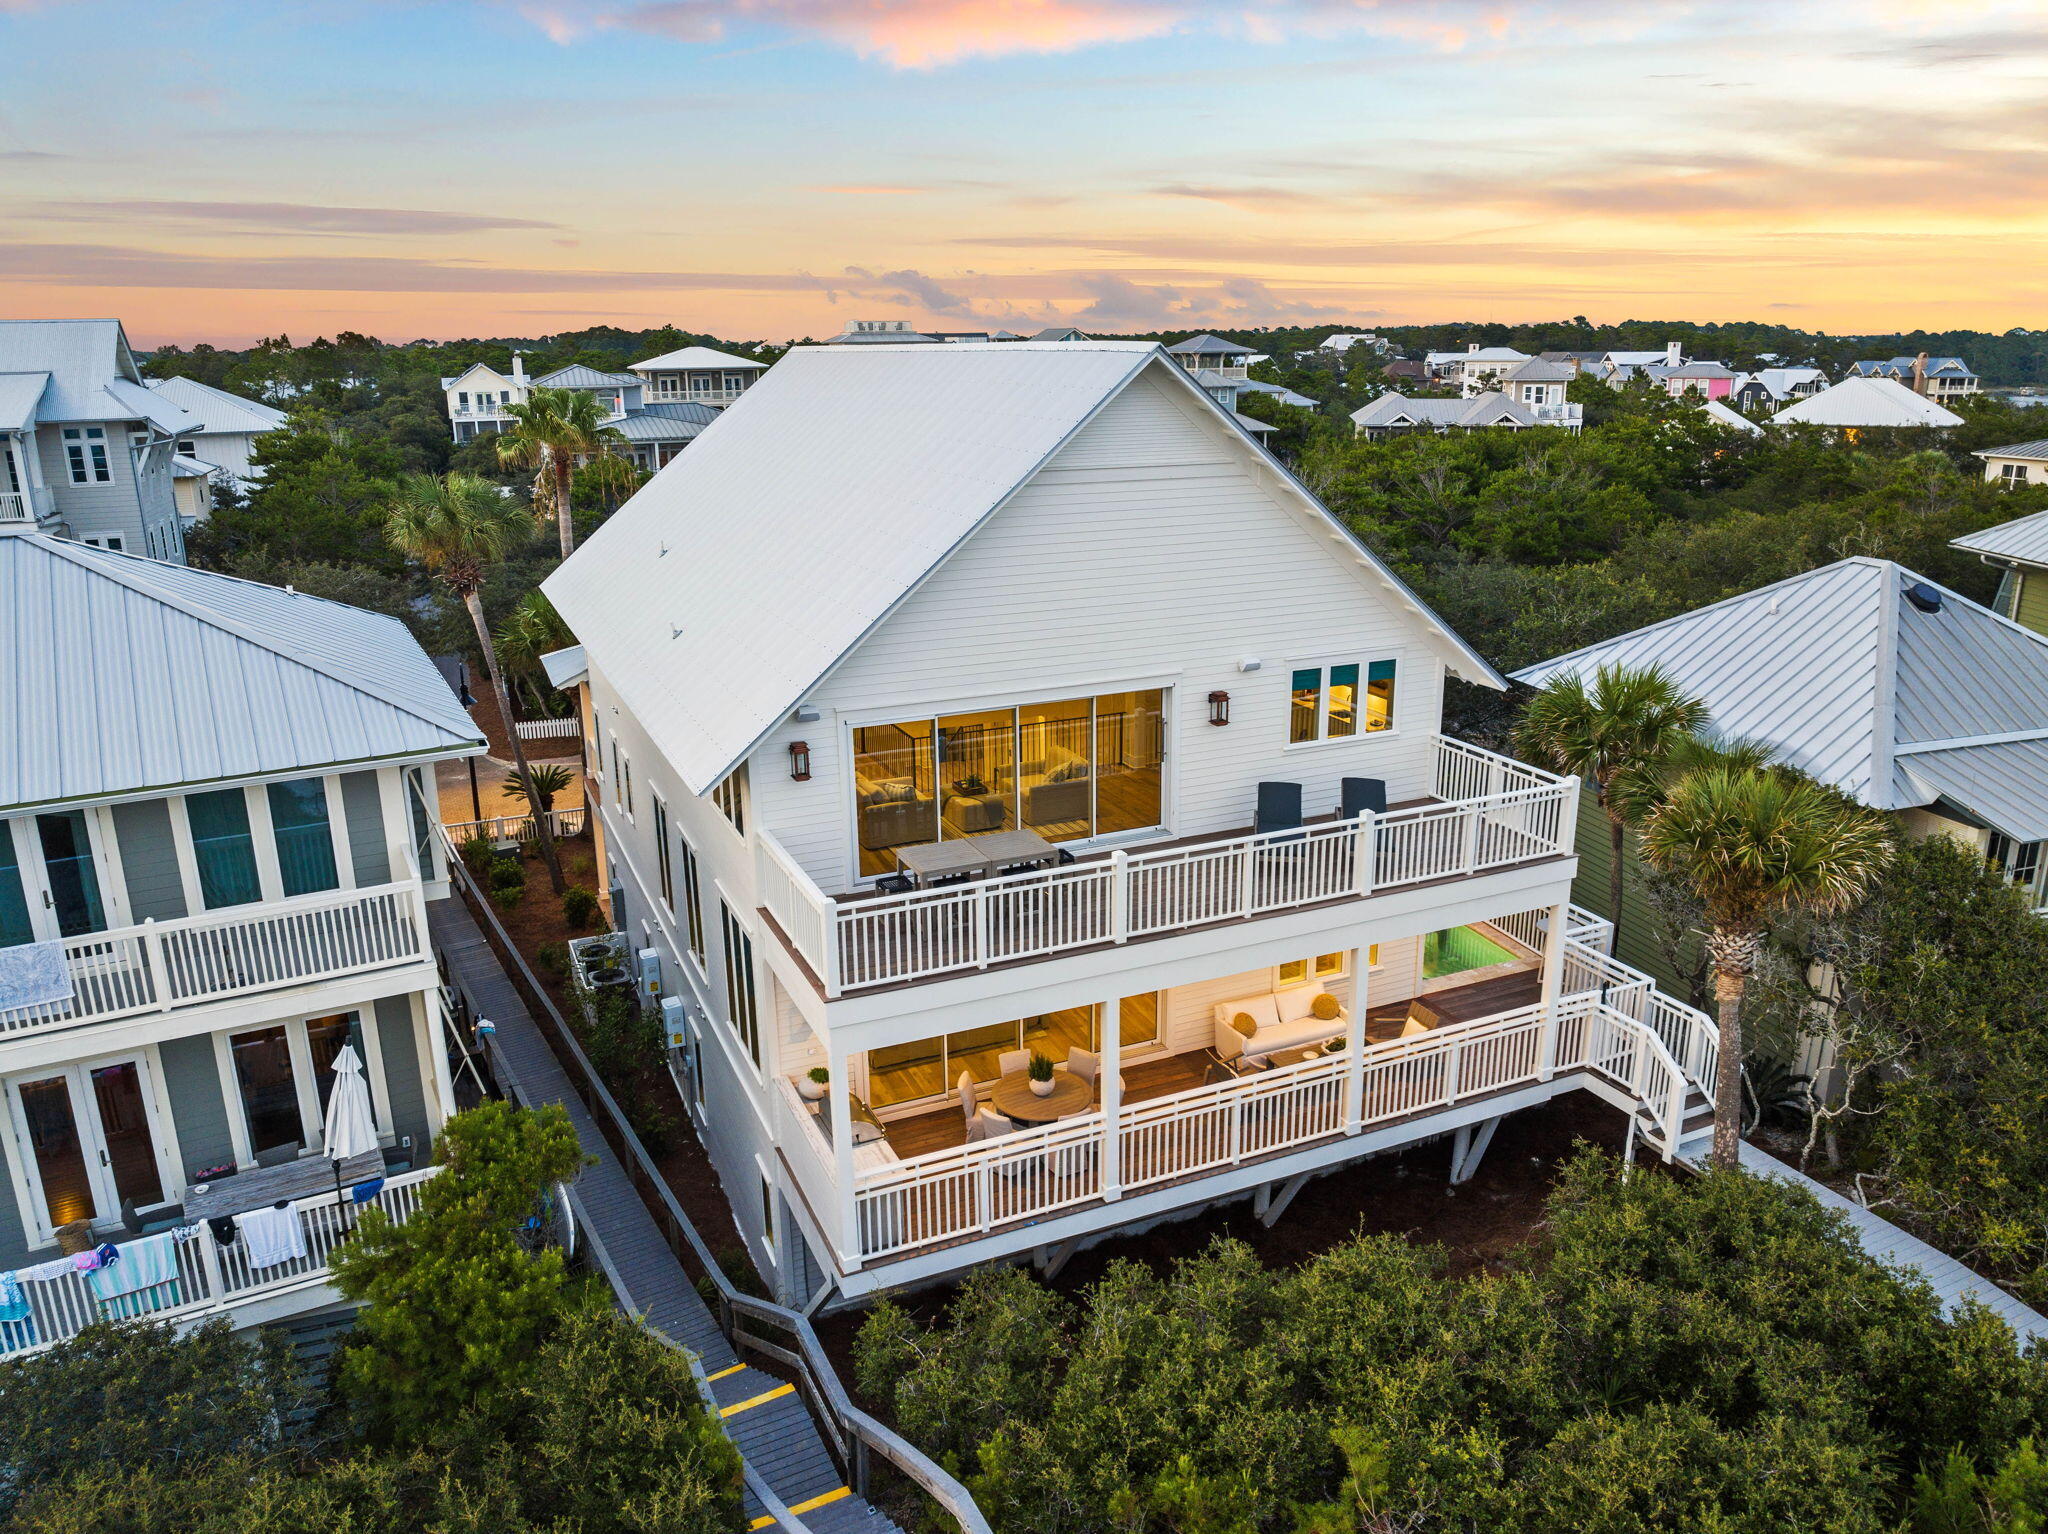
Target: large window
1327	703
693	901
85	454
930	1068
730	795
742	1006
223	847
662	863
305	841
1069	769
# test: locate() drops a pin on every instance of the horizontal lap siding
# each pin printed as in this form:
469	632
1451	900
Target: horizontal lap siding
149	860
1144	549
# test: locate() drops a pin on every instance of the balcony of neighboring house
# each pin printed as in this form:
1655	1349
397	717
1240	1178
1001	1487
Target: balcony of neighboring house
696	388
162	966
1001	897
1234	1083
183	1274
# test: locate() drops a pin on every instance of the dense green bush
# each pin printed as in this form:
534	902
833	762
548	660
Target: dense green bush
579	908
1714	1356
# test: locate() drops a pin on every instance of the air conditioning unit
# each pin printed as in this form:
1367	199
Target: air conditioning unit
675	1022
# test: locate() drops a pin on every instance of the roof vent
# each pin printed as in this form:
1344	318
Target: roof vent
1924	597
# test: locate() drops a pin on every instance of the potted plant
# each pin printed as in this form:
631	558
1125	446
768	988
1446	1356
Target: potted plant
1040	1072
812	1086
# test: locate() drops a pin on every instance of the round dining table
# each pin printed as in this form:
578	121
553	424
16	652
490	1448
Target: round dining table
1013	1098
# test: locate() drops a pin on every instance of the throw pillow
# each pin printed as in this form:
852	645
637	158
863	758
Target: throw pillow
1245	1024
1325	1008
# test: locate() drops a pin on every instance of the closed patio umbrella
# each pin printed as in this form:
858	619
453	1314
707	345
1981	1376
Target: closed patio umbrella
350	1130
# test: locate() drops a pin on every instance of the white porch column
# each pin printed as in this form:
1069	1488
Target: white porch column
1553	986
1354	1040
1112	1063
841	1108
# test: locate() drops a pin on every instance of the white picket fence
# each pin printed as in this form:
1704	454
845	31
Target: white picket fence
517	828
568	728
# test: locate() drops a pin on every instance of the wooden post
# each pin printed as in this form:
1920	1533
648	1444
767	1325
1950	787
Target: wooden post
1110	1066
1354	1058
839	1098
1553	986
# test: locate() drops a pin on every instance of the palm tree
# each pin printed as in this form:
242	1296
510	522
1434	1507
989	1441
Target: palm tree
457	527
531	630
1756	845
550	431
1612	734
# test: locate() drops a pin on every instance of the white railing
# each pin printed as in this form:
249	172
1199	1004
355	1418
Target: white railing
15	507
972	1189
1580	925
162	965
569	727
1689	1036
211	1279
517	828
1497	812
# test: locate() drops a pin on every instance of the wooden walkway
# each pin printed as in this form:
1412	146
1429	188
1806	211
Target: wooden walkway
765	1416
1893	1247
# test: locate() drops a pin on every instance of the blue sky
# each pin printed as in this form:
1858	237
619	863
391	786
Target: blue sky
770	168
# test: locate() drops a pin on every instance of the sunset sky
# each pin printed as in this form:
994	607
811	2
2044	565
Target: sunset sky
771	168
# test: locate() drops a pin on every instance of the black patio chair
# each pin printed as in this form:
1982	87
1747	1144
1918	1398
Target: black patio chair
1361	794
1279	807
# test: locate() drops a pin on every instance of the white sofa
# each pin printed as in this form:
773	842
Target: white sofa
1285	1019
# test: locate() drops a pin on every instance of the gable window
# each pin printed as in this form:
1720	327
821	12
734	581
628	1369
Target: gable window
661	855
1327	702
730	797
741	1006
85	453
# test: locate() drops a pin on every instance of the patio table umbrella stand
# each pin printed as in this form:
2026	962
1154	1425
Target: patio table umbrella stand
350	1129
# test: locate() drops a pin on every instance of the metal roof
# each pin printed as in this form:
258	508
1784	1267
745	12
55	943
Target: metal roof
1204	345
1854	684
1488	409
1861	401
1536	370
650	426
2037	449
748	568
2001	784
20	394
1733	419
80	356
577	376
567	667
126	674
694	357
184	466
1279	392
216	409
2024	540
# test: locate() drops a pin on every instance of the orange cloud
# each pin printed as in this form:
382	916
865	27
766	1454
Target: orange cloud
921	34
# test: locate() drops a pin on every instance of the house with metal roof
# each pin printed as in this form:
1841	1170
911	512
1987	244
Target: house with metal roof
225	434
1860	402
697	375
2017	463
1474	368
1878	682
86	449
1938	378
963	704
1703	380
1222	369
2018	550
1395	414
1775	386
216	851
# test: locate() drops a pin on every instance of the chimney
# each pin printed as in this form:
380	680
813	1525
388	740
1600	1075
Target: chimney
519	369
1674	354
1920	374
1471	348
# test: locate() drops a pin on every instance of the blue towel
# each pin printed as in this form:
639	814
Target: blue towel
363	1192
13	1303
144	1267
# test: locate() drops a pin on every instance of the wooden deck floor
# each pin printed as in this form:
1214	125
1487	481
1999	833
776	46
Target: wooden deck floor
1163	1075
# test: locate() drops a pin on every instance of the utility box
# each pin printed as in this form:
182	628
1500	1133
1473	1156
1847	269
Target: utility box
674	1022
650	977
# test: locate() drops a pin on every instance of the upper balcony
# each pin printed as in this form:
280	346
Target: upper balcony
1488	813
161	966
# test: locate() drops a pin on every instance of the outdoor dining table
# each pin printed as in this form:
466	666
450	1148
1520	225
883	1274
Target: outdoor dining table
1014	1099
973	855
260	1187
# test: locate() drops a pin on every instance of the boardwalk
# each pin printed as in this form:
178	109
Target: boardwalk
1891	1246
762	1414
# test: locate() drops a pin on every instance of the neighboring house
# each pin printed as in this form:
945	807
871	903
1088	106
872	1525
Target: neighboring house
1041	611
1539	387
192	487
215	854
1406	370
1575	362
479	395
1769	387
2018	463
1858	403
1877	682
1058	333
697	375
229	425
1284	395
881	333
86	448
1341	344
1672	356
1474	368
1393	414
2019	551
1222	369
1702	380
1718	411
1938	378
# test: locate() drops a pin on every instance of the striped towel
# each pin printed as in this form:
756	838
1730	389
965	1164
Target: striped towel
131	1286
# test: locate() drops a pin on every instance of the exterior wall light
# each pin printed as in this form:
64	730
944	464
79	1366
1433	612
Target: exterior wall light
1219	708
800	761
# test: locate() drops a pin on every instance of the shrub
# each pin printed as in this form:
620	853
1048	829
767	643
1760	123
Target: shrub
579	908
478	855
553	958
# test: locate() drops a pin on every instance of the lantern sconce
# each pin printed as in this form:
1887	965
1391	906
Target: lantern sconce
1219	708
800	761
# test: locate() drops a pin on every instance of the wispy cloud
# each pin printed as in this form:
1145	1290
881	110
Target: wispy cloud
280	217
1247	199
870	191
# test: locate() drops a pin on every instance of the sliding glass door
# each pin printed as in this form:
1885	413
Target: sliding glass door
929	1069
90	1139
1068	770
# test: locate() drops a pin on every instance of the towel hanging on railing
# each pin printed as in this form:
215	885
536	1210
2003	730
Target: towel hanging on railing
34	975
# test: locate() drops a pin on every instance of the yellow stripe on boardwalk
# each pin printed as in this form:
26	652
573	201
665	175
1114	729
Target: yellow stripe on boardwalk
767	1520
722	1373
753	1401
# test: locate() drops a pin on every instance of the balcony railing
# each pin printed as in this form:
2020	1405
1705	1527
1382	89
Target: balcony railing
1492	812
162	965
16	507
211	1279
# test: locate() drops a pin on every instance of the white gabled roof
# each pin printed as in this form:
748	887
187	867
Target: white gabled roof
216	409
138	675
20	396
741	576
1733	419
1859	401
2024	539
1856	686
694	357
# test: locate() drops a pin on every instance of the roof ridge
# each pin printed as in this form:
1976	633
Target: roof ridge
213	619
